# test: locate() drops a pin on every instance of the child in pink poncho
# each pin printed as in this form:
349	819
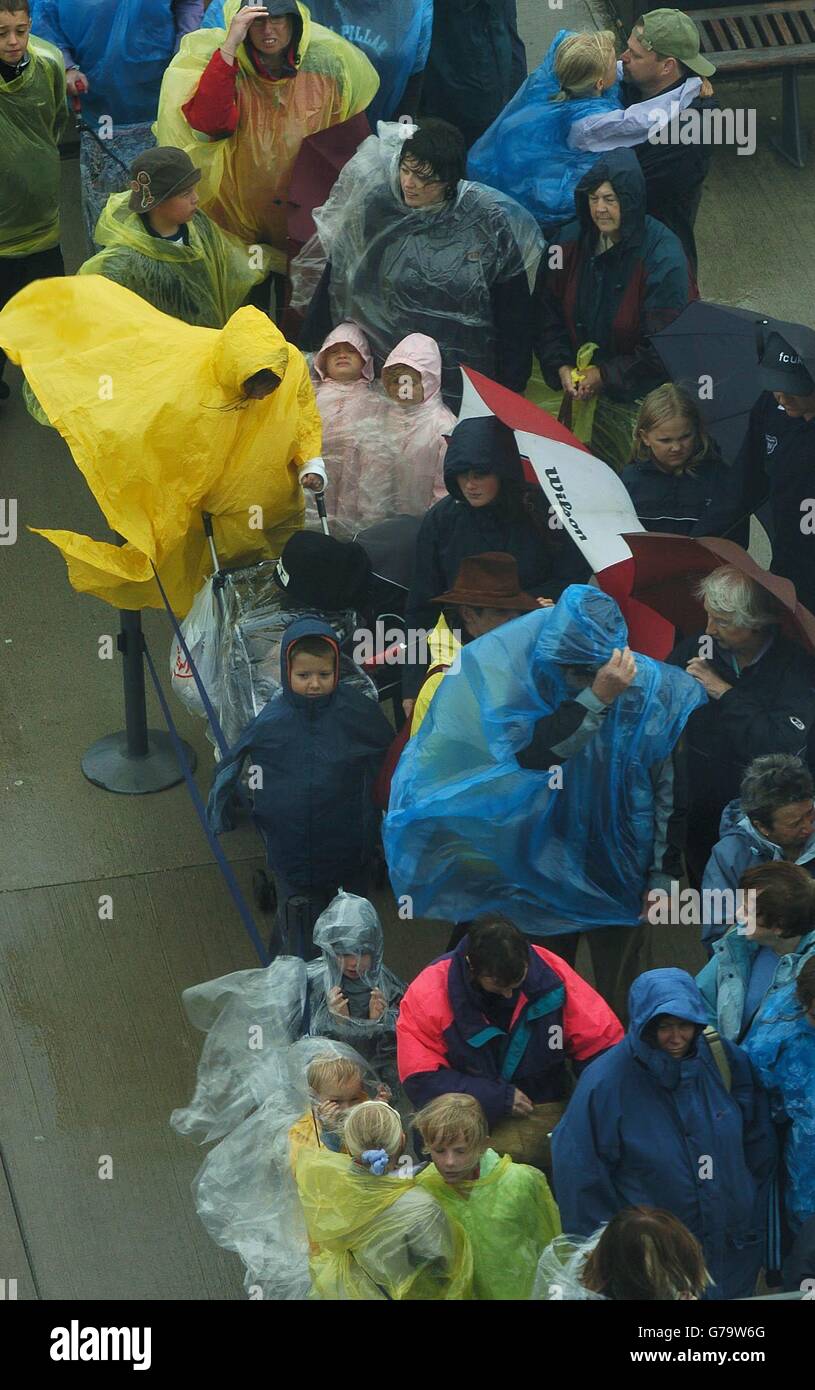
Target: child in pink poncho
344	371
407	473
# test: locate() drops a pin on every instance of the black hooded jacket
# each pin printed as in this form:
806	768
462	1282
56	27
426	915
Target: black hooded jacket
616	299
452	530
674	175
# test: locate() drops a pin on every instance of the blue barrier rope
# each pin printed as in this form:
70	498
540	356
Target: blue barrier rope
197	801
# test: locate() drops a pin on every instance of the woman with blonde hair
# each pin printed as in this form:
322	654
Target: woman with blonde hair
547	137
373	1233
675	467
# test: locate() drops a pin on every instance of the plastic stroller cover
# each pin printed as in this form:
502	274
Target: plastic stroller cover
525	151
378	1237
558	1276
33	118
203	283
178	439
510	1216
234	639
248	1016
122	46
389	35
470	831
334	81
245	1192
350	926
397	270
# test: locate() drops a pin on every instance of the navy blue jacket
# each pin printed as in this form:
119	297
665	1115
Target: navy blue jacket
645	1128
671	502
319	759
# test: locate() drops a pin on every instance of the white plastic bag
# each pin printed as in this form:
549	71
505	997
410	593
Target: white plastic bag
202	630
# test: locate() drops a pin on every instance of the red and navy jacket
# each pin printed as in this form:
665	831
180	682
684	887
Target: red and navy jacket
616	299
445	1042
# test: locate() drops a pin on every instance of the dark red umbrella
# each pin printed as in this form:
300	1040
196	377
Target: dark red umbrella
667	570
316	168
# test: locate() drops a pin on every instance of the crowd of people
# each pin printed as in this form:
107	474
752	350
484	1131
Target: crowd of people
498	1127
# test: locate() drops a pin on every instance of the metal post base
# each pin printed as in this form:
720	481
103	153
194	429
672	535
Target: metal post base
108	765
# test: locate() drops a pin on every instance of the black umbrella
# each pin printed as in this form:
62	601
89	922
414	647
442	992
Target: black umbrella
724	344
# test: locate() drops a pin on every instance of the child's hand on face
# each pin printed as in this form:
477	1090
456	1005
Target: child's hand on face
337	1002
378	1004
329	1114
384	1092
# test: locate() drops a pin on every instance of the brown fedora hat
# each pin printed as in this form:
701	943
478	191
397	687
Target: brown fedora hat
489	581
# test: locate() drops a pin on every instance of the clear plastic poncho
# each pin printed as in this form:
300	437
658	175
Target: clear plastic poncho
397	270
560	1270
510	1216
247	174
350	926
470	831
249	1017
202	283
378	1237
233	632
122	46
33	118
245	1192
525	152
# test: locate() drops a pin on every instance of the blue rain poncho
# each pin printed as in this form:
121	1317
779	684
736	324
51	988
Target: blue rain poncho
122	46
395	38
525	151
781	1046
470	831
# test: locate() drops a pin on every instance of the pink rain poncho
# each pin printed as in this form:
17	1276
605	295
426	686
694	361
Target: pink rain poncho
384	458
346	409
413	446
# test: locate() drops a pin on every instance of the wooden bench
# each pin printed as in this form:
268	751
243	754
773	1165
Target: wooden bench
763	38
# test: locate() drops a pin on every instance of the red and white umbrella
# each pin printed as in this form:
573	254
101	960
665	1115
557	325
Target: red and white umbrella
586	496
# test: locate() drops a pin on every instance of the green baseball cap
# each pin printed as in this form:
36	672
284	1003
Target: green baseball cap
675	35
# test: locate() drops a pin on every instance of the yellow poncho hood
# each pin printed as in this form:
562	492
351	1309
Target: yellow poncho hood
154	414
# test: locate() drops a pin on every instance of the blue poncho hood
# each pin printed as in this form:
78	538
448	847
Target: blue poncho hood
659	992
469	831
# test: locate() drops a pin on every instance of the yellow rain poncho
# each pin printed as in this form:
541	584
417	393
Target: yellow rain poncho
33	118
154	415
509	1215
247	174
203	283
378	1237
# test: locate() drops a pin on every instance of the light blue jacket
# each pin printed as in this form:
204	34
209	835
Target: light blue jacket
723	981
741	847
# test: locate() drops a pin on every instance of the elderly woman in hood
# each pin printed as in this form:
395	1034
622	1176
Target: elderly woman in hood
670	1118
412	247
257	90
621	276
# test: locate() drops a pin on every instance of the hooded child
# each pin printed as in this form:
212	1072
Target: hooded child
315	750
405	473
344	372
360	996
506	1208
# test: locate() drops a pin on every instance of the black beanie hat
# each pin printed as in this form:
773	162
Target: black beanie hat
318	571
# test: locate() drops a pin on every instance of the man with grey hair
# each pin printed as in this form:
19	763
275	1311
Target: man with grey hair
772	819
761	699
